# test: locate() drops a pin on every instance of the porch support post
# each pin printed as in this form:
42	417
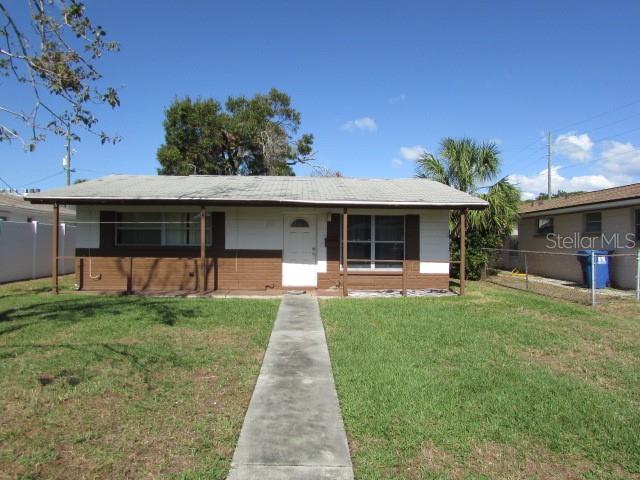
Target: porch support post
203	245
404	259
345	270
463	250
55	221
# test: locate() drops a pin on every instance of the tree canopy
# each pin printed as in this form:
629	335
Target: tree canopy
53	55
473	168
246	136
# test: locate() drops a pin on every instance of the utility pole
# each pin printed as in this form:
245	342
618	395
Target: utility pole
66	163
549	165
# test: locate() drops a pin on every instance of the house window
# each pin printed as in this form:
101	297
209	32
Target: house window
593	222
545	225
299	223
375	242
3	218
154	228
637	226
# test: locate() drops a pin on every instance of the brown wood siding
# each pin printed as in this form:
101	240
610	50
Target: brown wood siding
377	281
250	270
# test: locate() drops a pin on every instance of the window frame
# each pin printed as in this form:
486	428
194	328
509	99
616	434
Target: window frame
587	222
119	226
539	231
370	265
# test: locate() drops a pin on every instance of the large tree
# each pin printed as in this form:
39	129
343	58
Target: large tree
473	168
51	49
246	136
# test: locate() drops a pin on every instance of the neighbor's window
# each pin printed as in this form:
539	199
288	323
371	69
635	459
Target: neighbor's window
593	222
545	225
154	228
375	242
637	226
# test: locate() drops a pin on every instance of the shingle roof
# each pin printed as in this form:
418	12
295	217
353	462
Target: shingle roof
625	192
261	190
17	202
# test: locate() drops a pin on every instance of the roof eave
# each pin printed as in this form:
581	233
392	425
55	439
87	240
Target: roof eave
239	202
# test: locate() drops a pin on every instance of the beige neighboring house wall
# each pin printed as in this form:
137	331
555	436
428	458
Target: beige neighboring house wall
620	221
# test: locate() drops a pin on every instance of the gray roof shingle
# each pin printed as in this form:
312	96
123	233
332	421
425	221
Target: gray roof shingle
261	190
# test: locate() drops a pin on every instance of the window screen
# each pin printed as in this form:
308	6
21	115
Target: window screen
593	222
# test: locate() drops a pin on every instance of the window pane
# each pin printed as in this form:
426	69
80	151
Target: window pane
389	228
359	251
593	222
194	229
361	264
388	265
359	227
139	237
389	251
545	225
140	219
175	229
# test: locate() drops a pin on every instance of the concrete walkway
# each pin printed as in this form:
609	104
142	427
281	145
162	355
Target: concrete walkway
293	428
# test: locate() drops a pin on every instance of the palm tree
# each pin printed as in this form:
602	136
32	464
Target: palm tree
473	168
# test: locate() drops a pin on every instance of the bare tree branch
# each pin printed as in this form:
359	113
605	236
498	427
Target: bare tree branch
55	59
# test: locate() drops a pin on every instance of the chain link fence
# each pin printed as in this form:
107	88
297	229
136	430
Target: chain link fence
614	277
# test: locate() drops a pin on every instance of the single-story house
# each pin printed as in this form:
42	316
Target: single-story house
605	219
182	233
13	208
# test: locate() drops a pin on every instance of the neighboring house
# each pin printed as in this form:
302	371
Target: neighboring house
143	232
25	239
606	219
13	208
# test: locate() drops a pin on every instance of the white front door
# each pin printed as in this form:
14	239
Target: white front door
299	253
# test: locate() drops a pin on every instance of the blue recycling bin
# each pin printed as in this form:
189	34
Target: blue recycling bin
603	267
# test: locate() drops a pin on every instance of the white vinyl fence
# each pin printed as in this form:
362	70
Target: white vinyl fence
25	250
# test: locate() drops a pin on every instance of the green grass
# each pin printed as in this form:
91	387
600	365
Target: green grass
104	386
497	384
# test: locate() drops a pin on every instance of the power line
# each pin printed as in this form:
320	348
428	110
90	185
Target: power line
602	114
42	179
539	141
3	181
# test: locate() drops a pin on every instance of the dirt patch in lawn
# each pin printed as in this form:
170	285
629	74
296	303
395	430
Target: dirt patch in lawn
588	361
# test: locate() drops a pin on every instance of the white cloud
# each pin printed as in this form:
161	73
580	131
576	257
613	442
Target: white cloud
532	185
621	160
397	99
412	153
365	124
396	162
574	146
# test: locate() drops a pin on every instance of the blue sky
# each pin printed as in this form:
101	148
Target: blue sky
377	83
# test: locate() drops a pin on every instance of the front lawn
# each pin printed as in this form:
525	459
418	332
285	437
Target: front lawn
498	384
103	386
